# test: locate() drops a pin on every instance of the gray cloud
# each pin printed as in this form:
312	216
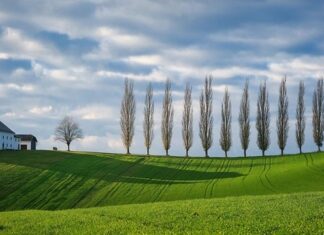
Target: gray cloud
70	57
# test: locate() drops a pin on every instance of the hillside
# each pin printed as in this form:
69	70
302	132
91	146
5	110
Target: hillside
300	213
60	180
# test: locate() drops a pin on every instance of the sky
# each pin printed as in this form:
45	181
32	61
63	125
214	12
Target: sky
69	57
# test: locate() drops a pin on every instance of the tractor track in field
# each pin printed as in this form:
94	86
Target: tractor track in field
312	166
34	182
116	177
247	174
154	197
266	175
42	202
206	170
116	185
173	176
219	167
185	162
149	181
86	192
309	165
263	174
249	171
227	167
49	173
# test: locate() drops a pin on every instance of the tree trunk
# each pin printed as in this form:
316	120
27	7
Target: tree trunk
206	153
128	150
147	151
187	155
319	148
282	152
263	153
244	152
300	150
167	152
226	154
68	147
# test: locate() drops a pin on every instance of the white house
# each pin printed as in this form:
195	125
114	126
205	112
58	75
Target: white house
27	142
8	140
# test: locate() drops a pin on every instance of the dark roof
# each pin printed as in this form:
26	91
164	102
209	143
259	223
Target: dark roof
26	137
4	128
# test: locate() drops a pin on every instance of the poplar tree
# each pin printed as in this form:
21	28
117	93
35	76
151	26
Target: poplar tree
282	120
187	119
127	115
318	114
206	116
148	122
244	119
225	135
263	119
300	117
167	118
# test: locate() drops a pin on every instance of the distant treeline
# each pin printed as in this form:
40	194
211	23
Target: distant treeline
128	113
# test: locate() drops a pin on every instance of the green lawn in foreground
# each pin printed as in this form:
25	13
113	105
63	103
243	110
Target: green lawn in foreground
301	213
60	180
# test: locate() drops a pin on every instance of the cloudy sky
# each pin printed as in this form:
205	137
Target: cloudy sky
70	58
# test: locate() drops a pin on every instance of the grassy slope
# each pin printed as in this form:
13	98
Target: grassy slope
60	180
300	213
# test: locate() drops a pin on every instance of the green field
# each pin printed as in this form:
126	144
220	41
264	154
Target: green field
293	189
283	214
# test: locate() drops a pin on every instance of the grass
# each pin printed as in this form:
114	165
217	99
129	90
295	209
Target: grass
60	180
161	195
300	213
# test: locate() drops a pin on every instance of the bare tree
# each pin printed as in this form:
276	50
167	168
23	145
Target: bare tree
127	114
318	114
300	117
148	118
167	118
206	116
282	120
263	119
187	119
67	131
244	119
225	135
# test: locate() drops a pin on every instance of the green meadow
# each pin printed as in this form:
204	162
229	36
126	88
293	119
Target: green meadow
114	193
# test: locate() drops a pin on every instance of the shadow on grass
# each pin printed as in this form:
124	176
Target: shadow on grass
112	169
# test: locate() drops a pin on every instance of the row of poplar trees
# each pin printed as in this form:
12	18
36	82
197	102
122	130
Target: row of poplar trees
128	111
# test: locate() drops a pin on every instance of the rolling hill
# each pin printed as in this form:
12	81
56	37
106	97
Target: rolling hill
137	194
60	180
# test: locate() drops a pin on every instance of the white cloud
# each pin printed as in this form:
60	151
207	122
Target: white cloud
123	39
145	59
4	56
156	75
115	144
94	112
24	88
41	110
18	42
